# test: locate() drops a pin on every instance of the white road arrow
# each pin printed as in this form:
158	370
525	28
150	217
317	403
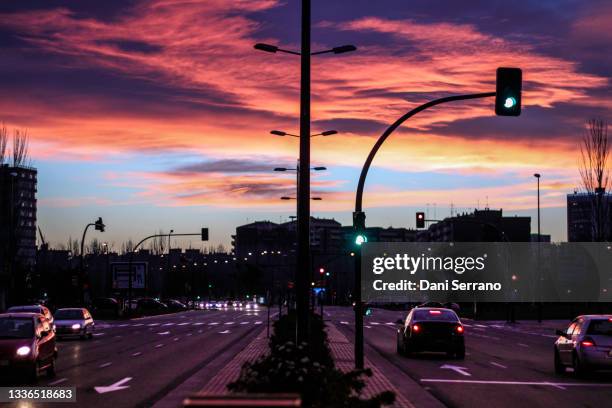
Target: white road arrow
457	369
113	387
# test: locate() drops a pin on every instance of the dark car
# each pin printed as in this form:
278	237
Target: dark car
27	345
174	305
431	329
151	306
40	309
105	307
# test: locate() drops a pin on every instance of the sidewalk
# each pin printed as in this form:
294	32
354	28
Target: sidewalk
342	352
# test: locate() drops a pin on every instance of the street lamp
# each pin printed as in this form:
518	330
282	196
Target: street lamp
293	198
98	226
325	133
303	202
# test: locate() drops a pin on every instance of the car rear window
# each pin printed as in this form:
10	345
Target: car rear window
25	309
68	314
600	327
18	328
435	314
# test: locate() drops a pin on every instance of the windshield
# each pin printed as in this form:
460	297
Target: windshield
600	327
74	314
17	328
435	315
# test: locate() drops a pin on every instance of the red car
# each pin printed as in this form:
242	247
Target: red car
27	345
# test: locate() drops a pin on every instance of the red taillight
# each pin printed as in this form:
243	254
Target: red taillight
588	342
459	329
416	328
436	312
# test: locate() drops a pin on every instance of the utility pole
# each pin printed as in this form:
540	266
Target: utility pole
303	199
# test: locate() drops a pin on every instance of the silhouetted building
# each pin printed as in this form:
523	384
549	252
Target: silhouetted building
543	238
17	228
480	226
582	217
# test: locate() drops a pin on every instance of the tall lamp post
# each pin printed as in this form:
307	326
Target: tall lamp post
99	226
303	202
537	176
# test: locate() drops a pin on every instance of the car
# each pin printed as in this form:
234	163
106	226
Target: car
74	321
106	307
27	345
585	345
431	329
251	306
151	306
40	309
174	305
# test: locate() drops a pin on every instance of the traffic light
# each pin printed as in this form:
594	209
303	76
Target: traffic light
99	225
420	220
204	234
322	271
508	92
359	226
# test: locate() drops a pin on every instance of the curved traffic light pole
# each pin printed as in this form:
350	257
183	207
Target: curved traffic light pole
359	216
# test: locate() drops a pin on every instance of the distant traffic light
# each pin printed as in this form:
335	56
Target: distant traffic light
508	92
321	271
359	226
420	220
204	234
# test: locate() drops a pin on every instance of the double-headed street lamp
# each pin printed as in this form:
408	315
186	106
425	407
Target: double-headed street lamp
281	133
293	198
303	199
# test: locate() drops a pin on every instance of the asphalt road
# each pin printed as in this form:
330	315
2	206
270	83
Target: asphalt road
148	356
505	365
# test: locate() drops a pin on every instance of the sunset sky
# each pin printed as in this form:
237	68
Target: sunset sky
155	114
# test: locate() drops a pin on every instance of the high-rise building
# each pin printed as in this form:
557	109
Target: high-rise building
582	217
17	227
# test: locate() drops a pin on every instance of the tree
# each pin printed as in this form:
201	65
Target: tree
595	173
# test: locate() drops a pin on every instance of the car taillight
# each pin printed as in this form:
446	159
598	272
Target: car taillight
587	342
459	329
435	312
416	328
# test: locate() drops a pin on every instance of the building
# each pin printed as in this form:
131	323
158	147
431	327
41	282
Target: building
582	217
480	226
17	228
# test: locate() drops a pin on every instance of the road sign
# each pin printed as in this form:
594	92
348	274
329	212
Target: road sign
120	275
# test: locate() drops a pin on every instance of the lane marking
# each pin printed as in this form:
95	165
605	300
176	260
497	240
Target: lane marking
480	325
164	333
138	324
244	322
367	327
375	323
523	344
105	365
497	364
168	324
175	339
136	354
123	325
153	324
98	334
560	385
344	322
228	323
113	387
390	324
189	334
159	345
457	369
210	324
258	322
59	381
183	324
225	332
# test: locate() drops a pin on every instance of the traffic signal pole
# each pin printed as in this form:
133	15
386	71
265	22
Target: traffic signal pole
359	215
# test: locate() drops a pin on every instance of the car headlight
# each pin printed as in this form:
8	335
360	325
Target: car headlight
23	351
76	326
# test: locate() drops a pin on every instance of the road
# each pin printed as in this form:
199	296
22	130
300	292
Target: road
149	356
505	365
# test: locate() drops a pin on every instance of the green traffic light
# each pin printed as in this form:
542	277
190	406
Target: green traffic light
360	239
509	102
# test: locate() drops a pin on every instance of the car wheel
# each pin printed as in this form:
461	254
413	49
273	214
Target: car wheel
51	368
398	346
406	349
460	353
559	367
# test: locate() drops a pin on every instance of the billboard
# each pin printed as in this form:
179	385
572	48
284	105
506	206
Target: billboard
120	275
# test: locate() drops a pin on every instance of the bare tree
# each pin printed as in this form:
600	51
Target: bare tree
158	244
595	172
20	148
3	144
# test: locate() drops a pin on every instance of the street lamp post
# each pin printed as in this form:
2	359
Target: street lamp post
539	285
303	199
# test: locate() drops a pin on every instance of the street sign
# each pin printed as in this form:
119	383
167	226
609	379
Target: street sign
120	275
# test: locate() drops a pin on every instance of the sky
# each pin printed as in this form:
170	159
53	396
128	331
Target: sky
155	114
